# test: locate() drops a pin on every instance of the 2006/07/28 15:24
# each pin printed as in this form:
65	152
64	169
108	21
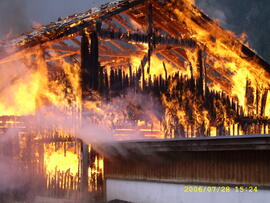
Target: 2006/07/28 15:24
220	189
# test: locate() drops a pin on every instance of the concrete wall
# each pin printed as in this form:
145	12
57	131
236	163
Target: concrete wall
154	192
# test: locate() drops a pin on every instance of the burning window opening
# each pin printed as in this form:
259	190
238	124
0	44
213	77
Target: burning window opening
128	70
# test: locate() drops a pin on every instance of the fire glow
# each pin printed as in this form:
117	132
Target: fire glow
207	90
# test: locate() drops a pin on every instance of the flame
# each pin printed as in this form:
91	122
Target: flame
29	91
224	52
60	160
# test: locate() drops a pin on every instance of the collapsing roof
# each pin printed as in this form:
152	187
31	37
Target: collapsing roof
173	33
177	24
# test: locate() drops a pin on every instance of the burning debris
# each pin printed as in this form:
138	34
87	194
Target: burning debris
131	69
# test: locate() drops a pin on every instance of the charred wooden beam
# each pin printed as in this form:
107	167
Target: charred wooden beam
264	100
120	20
94	54
143	63
84	171
144	38
90	60
151	35
62	56
165	70
202	73
85	63
76	41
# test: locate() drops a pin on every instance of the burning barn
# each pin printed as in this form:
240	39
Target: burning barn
128	70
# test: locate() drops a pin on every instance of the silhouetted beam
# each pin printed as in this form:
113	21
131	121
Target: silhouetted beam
60	47
94	59
119	20
76	41
122	54
151	35
53	58
84	170
89	61
173	59
143	38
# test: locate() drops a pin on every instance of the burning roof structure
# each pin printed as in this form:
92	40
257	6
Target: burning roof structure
159	38
131	69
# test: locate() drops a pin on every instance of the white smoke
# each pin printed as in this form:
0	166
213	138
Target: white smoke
12	174
214	12
37	11
97	124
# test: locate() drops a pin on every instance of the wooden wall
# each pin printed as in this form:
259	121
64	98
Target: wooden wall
214	167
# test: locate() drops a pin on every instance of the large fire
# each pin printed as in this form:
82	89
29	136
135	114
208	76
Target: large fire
170	100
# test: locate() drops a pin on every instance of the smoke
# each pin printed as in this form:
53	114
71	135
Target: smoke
12	177
13	18
215	11
95	127
18	16
16	181
100	117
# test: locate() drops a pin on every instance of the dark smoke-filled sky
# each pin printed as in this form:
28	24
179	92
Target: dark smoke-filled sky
249	16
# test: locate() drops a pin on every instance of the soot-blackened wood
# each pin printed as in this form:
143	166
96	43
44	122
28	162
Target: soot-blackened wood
90	61
165	70
202	74
143	38
249	97
264	99
94	60
143	63
85	166
101	80
257	101
85	64
150	35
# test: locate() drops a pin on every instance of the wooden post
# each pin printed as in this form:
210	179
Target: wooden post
85	63
165	70
202	73
264	99
150	35
94	62
90	59
84	171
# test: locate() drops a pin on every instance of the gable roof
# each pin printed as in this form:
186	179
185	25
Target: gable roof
178	19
